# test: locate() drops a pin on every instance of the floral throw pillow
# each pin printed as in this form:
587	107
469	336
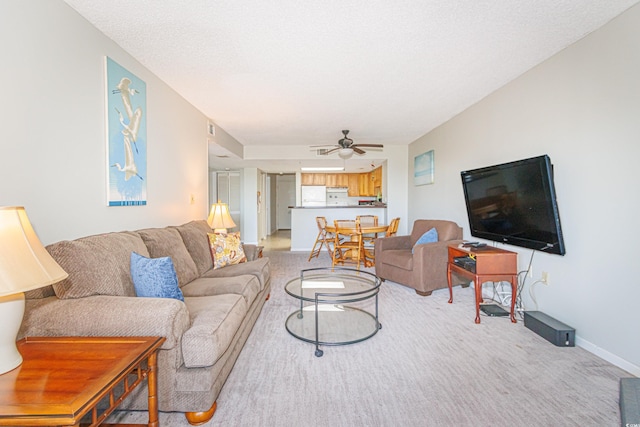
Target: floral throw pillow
226	249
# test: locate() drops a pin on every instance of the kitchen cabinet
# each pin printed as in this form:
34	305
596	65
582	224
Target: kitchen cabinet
313	178
358	184
353	190
365	185
377	177
337	180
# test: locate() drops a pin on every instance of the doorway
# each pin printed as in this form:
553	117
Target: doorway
280	198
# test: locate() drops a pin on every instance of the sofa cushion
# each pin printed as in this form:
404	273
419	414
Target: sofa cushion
194	236
40	293
154	277
401	258
430	236
214	322
260	268
97	265
226	249
162	242
246	285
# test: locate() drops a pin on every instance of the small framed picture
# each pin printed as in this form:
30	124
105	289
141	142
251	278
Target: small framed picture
423	169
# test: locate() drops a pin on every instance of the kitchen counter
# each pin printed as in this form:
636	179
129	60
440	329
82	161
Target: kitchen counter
340	207
303	221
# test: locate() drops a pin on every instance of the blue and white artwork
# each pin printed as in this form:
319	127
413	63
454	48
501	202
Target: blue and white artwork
126	137
423	169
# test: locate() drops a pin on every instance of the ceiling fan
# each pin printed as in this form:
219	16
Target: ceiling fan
346	147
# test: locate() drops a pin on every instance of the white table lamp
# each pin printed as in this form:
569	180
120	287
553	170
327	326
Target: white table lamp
24	265
220	218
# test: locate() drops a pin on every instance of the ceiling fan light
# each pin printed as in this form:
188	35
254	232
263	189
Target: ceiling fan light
345	153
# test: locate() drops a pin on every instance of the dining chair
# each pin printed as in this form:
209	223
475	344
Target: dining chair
368	239
347	247
393	227
324	238
367	220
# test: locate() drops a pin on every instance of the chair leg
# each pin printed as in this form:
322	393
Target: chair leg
316	253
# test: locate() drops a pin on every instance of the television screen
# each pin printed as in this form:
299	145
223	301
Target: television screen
515	203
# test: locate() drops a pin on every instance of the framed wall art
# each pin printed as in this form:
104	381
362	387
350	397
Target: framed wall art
126	98
423	168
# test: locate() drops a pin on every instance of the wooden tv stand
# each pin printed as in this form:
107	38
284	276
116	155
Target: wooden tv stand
492	265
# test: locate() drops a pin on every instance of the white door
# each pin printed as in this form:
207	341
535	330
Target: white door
285	198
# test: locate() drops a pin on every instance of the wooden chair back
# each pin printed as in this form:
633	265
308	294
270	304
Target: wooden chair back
393	227
323	238
347	246
367	220
322	224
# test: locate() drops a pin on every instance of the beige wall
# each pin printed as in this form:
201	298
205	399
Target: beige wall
52	129
582	108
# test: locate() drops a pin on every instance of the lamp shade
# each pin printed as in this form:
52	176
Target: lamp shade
24	265
345	153
24	262
220	218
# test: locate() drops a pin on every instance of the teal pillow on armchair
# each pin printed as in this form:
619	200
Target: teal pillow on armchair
430	236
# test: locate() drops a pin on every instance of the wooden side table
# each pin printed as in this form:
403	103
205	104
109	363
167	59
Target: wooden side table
62	379
492	264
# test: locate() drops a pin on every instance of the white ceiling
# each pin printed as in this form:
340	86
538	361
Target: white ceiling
291	72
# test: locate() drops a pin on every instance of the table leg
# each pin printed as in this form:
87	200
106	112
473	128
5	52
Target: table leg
478	288
152	386
514	288
449	283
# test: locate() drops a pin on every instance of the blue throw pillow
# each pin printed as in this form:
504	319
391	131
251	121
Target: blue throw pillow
154	277
430	236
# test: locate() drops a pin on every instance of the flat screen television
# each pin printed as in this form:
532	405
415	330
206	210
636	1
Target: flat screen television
515	203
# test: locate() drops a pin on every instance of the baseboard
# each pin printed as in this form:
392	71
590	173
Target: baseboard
609	357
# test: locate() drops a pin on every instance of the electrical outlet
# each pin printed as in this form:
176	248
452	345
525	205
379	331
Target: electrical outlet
545	278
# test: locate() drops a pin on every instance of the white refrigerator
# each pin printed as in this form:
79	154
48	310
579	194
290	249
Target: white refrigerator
314	195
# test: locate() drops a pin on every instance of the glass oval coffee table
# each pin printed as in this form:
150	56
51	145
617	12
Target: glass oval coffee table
338	306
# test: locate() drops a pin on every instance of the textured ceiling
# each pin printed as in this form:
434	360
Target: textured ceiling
287	72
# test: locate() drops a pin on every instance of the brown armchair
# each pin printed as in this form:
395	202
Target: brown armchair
426	268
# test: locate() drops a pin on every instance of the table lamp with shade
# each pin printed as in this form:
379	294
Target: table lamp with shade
24	265
220	218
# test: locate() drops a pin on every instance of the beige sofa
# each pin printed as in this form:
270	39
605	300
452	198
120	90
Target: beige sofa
204	334
424	269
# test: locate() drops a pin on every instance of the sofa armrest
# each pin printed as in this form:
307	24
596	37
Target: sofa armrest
251	251
393	242
103	315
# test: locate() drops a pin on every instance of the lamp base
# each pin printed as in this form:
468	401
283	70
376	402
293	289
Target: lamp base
220	230
11	313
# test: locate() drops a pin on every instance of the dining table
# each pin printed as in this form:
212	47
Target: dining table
365	230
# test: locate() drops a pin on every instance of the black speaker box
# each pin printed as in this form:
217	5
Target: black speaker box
629	402
550	329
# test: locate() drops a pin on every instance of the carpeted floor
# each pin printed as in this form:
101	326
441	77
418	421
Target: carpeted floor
430	365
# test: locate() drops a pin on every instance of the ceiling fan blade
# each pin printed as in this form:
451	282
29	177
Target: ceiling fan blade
368	145
321	146
333	149
357	150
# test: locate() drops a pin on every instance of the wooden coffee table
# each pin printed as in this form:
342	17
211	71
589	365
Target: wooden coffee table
62	379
